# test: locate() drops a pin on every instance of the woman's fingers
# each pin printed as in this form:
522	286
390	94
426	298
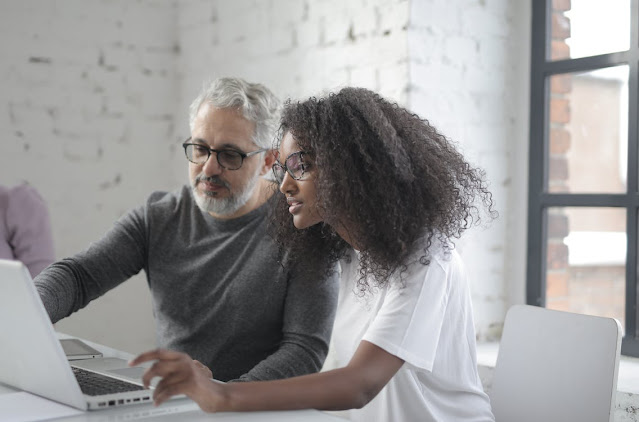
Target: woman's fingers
205	369
180	374
168	387
166	362
166	370
156	354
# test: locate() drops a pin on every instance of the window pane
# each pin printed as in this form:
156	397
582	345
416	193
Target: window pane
588	153
582	28
586	260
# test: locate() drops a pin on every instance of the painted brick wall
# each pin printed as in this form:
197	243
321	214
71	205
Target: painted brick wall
296	47
459	64
86	114
97	95
469	77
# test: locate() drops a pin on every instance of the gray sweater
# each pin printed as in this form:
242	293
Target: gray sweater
219	293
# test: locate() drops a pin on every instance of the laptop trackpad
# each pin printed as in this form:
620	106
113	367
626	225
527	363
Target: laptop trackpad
132	373
116	367
100	364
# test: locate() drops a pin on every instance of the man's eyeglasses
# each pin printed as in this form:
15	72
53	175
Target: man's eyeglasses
294	165
229	159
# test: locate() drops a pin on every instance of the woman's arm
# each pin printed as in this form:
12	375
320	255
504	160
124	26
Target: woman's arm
345	388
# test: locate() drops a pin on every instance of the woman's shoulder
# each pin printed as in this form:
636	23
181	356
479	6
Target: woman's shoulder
431	250
432	244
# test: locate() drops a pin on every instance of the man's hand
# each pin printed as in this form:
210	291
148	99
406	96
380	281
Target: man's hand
181	375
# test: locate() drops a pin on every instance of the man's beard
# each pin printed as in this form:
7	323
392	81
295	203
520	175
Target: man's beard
224	206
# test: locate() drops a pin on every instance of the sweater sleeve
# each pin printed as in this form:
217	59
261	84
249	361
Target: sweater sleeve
308	322
29	228
70	284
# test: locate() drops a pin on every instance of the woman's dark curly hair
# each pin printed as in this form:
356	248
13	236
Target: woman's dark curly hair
384	173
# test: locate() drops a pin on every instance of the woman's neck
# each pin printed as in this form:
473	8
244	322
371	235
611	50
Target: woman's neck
347	236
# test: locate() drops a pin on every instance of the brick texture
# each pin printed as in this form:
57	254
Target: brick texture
95	97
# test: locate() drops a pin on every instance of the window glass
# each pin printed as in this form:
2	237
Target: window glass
582	28
586	260
588	153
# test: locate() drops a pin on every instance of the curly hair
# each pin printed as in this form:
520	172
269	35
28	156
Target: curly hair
384	173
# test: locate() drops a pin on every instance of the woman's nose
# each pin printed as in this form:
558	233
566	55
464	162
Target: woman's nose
288	184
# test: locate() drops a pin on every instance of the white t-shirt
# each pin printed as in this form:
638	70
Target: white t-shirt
428	322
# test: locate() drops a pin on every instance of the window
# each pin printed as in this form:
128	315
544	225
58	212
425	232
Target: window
583	176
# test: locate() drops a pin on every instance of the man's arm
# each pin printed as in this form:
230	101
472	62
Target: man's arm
70	284
308	322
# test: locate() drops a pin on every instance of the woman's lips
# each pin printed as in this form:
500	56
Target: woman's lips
293	206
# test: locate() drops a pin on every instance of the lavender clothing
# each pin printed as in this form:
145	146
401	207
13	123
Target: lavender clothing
25	228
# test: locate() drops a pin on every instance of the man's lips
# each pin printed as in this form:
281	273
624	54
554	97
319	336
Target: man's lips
208	186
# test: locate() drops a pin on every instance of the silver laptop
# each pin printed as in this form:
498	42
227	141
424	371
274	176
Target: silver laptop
32	359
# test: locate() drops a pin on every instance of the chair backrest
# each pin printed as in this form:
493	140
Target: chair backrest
556	366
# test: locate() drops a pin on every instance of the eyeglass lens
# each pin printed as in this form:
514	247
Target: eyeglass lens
228	159
293	164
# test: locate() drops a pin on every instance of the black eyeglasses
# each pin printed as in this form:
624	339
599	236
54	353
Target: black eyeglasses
229	159
294	165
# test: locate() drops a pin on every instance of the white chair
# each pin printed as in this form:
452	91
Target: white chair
556	366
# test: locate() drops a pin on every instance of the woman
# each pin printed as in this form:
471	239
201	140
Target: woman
375	187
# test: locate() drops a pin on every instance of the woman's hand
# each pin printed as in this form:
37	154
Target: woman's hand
181	375
205	369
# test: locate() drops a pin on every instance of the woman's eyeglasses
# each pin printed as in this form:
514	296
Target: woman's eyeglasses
294	165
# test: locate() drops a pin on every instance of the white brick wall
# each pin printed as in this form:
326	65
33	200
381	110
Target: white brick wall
469	77
88	91
297	47
93	88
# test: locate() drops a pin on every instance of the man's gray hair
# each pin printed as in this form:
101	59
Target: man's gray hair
256	102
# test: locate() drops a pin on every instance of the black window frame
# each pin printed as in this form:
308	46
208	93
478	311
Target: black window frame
539	200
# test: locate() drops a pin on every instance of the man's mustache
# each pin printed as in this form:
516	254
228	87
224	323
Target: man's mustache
217	180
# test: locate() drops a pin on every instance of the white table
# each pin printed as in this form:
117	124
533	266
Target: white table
176	410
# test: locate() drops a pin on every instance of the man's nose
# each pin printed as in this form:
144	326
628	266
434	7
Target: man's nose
211	167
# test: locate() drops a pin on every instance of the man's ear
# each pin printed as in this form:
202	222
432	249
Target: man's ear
269	159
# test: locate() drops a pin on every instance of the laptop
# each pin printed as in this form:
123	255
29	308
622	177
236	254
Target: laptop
32	359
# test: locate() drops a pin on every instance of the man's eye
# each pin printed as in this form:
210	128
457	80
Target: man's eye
229	154
200	149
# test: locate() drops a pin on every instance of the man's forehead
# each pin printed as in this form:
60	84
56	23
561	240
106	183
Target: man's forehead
210	113
223	126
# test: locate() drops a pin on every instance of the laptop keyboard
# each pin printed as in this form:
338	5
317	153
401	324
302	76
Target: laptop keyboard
93	384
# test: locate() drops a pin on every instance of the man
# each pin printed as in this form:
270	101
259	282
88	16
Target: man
220	291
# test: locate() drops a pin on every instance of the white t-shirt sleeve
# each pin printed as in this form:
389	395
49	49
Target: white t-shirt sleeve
409	322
